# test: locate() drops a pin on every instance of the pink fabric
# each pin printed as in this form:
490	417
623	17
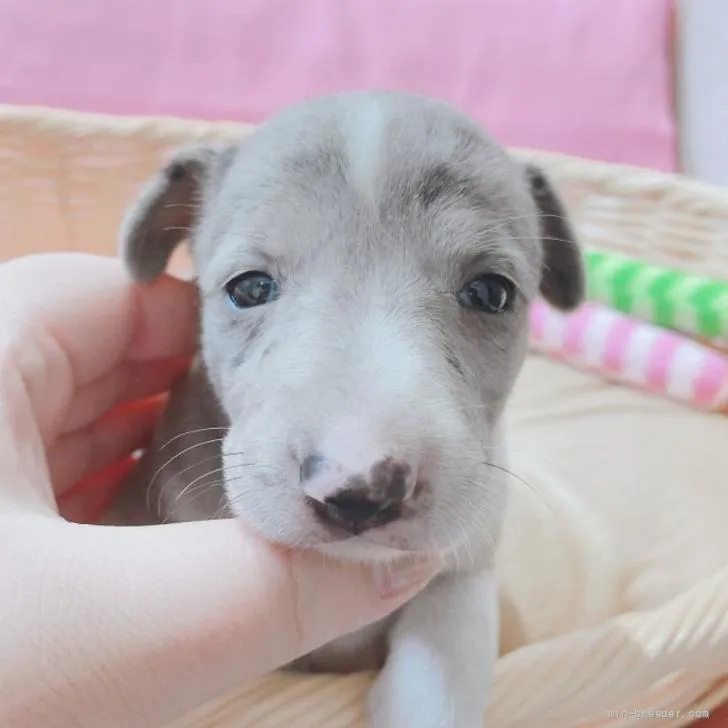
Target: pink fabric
575	333
712	382
539	320
617	344
631	351
661	361
587	77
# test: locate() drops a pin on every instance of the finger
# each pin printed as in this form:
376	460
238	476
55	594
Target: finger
88	319
180	614
78	454
127	382
367	594
87	501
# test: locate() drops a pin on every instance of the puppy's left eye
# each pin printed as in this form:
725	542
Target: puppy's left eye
490	293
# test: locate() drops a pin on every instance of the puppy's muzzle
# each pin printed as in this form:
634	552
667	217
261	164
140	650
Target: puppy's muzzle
357	502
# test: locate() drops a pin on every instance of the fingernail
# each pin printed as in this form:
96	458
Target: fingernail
397	578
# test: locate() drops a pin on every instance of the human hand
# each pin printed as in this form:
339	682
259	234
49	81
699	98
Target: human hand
130	626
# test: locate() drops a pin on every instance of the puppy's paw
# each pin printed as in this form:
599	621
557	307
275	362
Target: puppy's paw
394	703
442	653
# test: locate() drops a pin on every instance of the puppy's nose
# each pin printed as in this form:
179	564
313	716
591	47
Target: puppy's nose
356	502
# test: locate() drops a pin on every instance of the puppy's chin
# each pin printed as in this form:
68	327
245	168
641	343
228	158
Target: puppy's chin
361	551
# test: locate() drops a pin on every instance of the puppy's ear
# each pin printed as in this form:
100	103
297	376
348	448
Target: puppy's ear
562	277
167	209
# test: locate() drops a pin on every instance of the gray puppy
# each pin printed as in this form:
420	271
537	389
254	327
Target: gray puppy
365	263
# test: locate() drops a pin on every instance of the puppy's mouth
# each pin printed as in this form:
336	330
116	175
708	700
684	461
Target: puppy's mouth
377	541
344	517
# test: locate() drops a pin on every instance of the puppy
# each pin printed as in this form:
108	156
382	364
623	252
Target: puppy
365	264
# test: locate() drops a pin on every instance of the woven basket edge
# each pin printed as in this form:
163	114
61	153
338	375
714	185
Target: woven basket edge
625	175
78	123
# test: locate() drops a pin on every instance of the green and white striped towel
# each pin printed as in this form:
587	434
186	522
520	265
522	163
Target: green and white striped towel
695	305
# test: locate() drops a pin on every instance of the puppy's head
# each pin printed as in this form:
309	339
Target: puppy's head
366	263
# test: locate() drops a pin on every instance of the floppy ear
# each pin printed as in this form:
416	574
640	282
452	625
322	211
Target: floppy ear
167	209
562	277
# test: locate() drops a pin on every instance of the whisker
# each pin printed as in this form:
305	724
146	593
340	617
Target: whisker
169	462
224	505
214	471
455	551
191	486
201	489
201	485
515	218
195	492
539	215
549	238
481	521
190	432
184	451
523	481
466	545
223	469
195	464
187	205
229	502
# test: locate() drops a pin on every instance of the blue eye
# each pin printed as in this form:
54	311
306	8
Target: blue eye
489	293
253	288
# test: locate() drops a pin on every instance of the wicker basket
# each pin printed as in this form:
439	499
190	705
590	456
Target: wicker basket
65	179
75	173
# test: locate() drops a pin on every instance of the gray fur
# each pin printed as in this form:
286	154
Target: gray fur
562	277
167	209
372	210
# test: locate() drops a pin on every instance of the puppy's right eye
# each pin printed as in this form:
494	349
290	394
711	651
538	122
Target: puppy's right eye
253	288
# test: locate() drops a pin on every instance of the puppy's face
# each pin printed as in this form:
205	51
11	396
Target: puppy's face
365	263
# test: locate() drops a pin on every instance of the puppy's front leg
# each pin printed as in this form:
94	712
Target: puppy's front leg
442	655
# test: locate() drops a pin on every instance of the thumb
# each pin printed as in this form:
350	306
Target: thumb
332	598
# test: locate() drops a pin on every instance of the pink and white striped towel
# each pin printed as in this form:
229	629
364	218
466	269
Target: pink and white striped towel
633	352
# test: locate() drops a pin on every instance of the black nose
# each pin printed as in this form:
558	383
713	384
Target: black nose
357	502
357	509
